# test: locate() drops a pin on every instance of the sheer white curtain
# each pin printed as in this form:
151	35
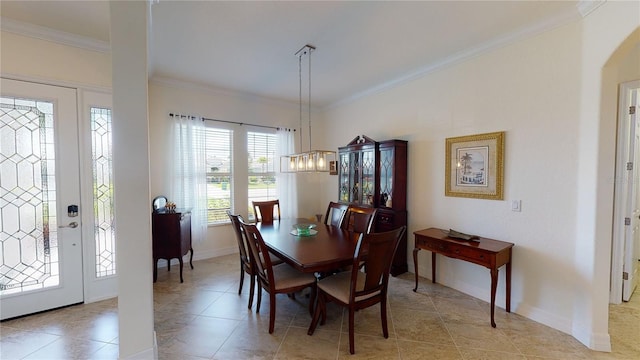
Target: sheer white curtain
188	171
286	182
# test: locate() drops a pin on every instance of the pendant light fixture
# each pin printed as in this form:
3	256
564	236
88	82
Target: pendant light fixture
312	160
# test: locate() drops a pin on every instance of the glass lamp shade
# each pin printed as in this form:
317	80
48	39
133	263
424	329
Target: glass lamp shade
312	161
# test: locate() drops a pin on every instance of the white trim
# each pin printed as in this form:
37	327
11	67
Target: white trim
619	211
56	82
586	7
57	36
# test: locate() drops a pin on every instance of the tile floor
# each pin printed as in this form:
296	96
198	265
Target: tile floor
204	318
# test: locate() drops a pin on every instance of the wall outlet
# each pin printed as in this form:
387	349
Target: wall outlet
516	205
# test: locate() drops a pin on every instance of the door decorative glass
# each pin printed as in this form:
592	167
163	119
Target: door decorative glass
104	231
28	234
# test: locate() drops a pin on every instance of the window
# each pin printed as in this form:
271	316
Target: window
222	156
219	160
104	231
262	174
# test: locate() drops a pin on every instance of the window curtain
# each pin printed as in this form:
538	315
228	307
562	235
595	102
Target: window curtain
286	182
188	171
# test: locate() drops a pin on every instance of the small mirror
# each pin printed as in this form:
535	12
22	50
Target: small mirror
158	203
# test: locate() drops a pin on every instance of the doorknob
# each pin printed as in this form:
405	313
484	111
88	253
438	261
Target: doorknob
72	225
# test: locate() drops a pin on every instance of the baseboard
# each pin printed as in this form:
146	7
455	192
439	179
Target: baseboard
151	353
200	255
594	341
545	318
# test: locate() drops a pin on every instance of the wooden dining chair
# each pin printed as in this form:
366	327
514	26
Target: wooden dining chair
335	213
358	289
359	220
246	266
269	210
275	279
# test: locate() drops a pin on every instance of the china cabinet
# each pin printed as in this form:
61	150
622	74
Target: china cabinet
372	173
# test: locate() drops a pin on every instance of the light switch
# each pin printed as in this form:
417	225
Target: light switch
515	205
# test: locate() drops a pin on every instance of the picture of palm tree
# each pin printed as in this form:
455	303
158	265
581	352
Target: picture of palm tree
472	163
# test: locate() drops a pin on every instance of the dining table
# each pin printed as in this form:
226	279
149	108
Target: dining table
327	248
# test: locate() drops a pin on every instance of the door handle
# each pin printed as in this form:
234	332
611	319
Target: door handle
72	225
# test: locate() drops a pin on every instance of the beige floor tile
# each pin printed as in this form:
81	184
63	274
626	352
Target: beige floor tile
413	350
66	348
479	354
423	326
481	337
298	345
205	318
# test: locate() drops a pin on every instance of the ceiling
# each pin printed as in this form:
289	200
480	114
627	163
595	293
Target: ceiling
362	46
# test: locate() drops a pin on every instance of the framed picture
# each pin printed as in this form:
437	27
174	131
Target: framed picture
474	166
333	168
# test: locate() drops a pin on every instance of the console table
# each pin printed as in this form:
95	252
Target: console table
171	232
489	253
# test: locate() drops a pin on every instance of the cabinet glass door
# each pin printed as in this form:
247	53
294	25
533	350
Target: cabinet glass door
368	168
386	177
345	186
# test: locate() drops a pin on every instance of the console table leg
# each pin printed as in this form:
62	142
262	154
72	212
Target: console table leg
508	278
415	266
181	280
494	285
155	270
433	267
191	259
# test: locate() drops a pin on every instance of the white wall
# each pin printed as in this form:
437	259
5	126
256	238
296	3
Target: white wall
171	97
531	91
33	59
535	91
551	94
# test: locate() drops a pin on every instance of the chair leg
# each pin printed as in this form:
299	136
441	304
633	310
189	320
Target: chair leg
352	348
272	312
259	298
312	300
241	279
383	315
253	285
316	316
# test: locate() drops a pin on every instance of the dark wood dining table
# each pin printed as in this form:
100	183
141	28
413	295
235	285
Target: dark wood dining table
329	249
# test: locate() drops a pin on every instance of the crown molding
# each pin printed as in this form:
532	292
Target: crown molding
585	7
57	36
550	23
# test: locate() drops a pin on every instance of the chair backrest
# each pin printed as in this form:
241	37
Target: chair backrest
236	221
359	220
259	254
335	214
269	210
376	251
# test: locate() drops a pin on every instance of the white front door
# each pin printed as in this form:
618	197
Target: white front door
40	233
632	231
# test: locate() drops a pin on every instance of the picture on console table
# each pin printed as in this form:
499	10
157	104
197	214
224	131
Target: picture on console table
474	166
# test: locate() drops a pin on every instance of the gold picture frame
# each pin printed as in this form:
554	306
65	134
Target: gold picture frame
474	166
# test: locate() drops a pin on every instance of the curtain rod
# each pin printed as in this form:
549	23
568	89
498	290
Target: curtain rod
233	122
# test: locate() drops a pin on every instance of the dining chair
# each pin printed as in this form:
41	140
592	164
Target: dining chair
335	213
358	289
246	265
359	220
275	279
269	210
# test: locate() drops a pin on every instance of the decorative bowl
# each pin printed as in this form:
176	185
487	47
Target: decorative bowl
303	229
